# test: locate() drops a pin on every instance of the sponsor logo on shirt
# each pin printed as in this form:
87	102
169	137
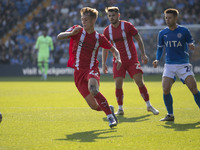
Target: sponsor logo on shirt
173	44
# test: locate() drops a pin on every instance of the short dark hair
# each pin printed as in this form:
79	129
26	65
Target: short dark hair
89	11
172	11
111	9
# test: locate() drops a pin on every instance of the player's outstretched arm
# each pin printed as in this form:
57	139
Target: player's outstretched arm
116	54
37	43
158	56
140	42
66	35
104	58
51	44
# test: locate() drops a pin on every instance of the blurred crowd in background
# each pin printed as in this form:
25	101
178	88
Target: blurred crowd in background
19	49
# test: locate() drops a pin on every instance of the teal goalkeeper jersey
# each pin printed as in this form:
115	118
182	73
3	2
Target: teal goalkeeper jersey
44	44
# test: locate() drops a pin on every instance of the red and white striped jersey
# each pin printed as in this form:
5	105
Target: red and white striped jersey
122	38
85	48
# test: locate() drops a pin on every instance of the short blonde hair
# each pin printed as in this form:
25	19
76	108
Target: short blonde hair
90	12
171	11
110	9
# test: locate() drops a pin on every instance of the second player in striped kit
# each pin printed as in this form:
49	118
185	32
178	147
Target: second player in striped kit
121	34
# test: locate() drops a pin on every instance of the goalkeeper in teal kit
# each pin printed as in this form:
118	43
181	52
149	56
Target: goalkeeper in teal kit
44	44
177	41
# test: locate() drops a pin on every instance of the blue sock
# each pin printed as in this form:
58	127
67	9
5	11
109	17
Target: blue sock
197	98
168	102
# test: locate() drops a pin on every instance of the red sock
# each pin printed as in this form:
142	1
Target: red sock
144	93
98	108
119	95
101	100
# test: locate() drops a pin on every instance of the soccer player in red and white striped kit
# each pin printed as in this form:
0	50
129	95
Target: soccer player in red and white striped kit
83	51
121	34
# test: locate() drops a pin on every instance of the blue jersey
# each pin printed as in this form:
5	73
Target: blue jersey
176	45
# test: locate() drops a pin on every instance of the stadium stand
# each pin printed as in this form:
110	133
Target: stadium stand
21	24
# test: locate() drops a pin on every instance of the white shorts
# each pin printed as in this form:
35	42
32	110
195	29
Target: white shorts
181	70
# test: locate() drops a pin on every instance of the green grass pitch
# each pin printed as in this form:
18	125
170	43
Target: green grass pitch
46	115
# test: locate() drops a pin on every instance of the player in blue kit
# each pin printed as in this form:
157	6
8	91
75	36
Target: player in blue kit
176	39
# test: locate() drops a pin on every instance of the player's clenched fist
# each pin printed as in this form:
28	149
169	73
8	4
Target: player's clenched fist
155	63
76	30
